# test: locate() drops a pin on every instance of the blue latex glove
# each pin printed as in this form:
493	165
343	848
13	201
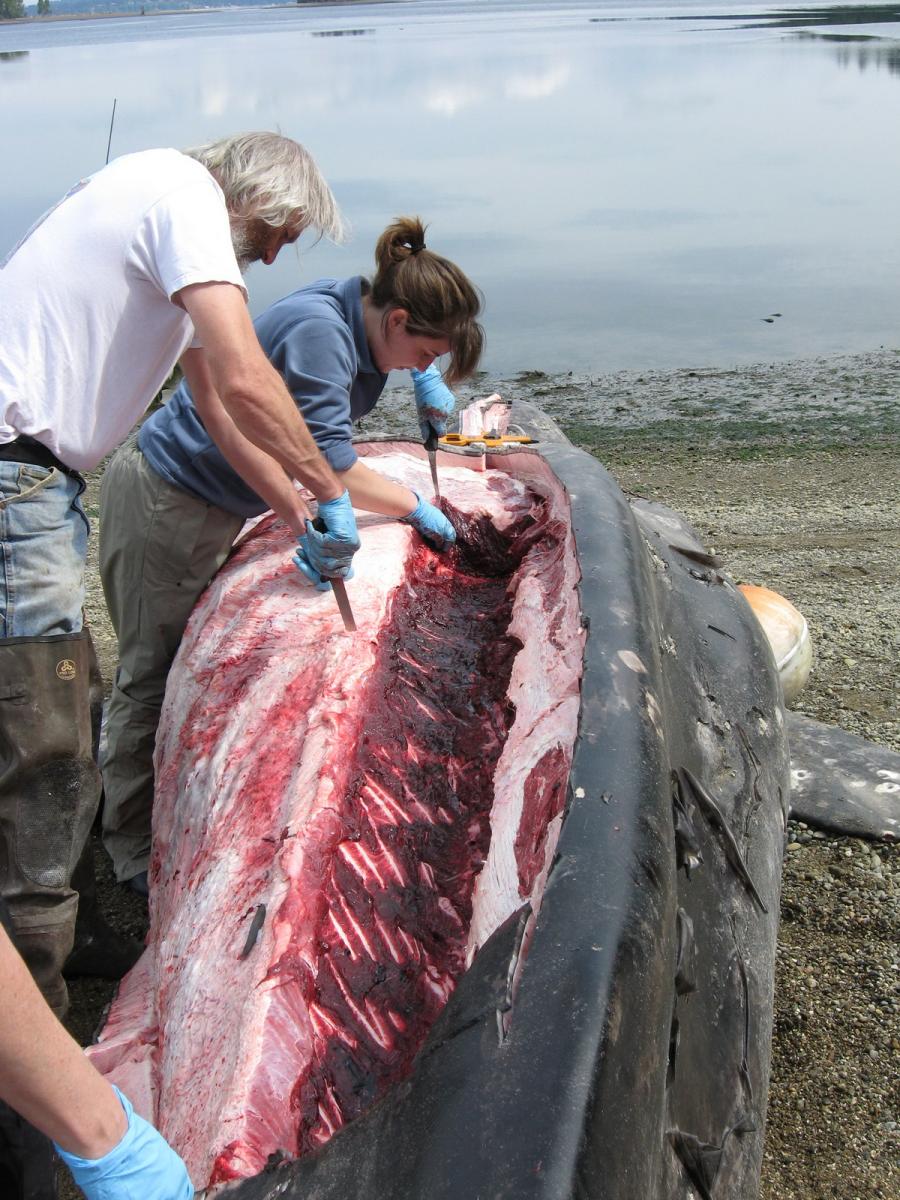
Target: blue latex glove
434	401
143	1166
431	523
327	548
319	582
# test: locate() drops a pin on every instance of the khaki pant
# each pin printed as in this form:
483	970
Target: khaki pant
159	548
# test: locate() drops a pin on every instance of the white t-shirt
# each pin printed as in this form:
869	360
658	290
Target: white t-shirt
88	330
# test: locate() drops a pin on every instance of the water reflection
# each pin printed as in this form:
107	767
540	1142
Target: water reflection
794	18
634	193
860	50
341	32
848	14
884	56
12	55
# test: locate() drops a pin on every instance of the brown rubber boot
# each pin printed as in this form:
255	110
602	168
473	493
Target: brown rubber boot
44	934
99	950
49	792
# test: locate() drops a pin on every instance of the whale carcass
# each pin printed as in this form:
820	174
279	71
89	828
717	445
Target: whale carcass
481	900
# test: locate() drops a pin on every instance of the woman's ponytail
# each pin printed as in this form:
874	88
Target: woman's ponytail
438	298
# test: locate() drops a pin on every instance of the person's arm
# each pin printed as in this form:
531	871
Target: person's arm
44	1074
46	1078
372	492
267	478
368	490
251	390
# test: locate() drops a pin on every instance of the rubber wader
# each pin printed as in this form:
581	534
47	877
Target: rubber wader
98	950
49	792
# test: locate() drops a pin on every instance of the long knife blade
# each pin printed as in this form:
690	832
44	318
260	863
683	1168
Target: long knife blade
431	444
343	602
339	588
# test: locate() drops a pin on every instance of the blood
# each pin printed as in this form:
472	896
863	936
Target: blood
545	797
353	786
484	550
398	892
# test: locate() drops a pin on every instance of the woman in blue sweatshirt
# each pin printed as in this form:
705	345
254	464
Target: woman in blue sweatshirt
176	495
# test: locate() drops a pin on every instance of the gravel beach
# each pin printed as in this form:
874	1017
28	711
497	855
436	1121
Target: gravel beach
789	473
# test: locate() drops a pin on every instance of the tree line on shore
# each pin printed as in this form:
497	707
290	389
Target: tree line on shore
16	8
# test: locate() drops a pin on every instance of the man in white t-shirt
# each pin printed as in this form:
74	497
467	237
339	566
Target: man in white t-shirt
136	268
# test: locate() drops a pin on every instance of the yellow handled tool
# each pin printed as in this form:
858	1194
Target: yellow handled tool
484	439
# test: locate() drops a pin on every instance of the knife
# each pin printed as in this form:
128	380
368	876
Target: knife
338	587
343	602
431	445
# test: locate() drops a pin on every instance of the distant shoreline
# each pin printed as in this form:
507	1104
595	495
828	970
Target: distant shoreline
175	12
87	16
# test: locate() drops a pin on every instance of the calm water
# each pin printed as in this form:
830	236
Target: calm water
630	185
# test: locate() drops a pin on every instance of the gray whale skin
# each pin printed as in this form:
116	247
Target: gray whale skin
620	1050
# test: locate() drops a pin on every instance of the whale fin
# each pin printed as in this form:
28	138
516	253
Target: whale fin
841	782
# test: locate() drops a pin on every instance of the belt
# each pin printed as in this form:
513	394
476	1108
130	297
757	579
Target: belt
26	450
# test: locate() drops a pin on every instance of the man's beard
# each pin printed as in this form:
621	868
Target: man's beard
248	239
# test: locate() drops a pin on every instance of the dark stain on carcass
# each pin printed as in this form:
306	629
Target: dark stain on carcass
253	932
397	896
483	549
545	797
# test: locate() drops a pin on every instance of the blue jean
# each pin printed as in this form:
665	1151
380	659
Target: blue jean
43	543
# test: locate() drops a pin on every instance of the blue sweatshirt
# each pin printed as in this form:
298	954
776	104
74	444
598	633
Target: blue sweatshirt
315	338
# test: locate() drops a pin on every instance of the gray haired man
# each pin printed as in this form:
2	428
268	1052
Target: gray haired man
136	268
